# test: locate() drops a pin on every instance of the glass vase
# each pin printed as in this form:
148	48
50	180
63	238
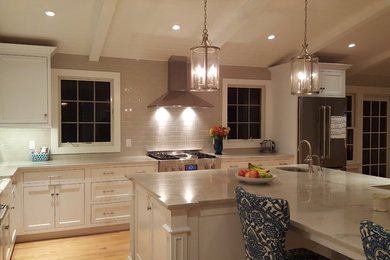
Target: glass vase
218	146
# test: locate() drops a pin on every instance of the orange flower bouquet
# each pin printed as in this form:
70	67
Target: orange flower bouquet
219	132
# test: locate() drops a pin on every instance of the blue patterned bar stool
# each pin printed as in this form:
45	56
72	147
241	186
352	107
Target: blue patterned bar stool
264	224
376	241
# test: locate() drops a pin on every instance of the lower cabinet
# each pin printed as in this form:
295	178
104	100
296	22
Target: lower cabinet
150	232
53	206
265	161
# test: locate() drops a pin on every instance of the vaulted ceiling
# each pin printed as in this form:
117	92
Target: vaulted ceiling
141	29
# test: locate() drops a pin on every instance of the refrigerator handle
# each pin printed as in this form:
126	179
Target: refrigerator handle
329	123
323	109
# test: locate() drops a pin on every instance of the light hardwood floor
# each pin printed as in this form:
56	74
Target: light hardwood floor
108	246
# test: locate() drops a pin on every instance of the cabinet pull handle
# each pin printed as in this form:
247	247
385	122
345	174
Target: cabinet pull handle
108	213
106	173
105	191
149	208
6	227
14	182
12	208
143	171
233	166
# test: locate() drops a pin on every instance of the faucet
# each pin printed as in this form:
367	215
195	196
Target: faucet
309	157
318	161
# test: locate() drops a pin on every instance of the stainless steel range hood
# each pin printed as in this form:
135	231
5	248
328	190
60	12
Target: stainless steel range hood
178	83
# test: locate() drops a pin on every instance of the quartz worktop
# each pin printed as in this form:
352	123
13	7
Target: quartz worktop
8	169
328	205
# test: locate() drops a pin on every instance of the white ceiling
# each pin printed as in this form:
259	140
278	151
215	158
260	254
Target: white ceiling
141	29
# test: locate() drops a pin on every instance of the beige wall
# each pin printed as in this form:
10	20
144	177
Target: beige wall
141	83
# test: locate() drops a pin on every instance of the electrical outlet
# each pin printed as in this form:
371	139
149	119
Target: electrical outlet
31	145
128	142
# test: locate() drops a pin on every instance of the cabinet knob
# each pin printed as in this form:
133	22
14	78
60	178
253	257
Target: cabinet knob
45	115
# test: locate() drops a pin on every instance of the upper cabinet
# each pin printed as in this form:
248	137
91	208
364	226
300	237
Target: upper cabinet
25	84
332	80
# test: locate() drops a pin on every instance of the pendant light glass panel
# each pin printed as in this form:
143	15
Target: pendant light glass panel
204	68
304	75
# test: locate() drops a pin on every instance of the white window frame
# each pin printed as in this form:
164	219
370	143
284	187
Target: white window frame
60	148
264	85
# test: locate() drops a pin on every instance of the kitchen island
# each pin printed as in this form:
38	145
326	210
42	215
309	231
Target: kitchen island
192	215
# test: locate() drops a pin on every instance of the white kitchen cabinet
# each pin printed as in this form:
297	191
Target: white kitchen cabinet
269	160
24	84
151	238
332	83
53	206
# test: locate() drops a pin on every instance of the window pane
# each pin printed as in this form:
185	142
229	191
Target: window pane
233	131
86	133
243	96
255	96
375	108
383	108
374	170
349	119
255	114
102	90
102	133
366	124
85	90
255	131
85	112
349	136
374	124
68	133
366	140
68	111
366	156
242	114
383	155
382	171
103	112
349	153
366	169
232	95
374	156
68	90
383	140
374	140
383	124
242	131
366	108
349	103
232	114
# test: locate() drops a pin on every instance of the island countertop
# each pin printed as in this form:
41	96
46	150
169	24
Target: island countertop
329	206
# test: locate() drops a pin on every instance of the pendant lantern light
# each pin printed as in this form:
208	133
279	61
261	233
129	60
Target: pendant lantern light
205	63
304	69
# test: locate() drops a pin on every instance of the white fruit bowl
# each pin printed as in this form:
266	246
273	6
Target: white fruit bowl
255	180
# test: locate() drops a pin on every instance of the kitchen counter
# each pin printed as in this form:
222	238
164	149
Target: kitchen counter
327	207
8	169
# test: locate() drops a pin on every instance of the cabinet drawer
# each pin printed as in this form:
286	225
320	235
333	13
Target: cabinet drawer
227	165
113	212
53	177
119	172
112	190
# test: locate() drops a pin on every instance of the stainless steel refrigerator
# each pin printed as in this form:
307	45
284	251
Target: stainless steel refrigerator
322	121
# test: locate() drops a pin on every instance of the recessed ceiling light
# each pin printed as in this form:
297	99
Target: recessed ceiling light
351	45
50	13
176	27
271	37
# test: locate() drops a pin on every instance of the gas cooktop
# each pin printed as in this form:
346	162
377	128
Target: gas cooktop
179	155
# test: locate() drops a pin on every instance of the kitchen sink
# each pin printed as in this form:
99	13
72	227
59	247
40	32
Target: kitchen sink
292	169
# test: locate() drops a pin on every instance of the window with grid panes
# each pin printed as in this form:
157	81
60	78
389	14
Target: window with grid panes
244	112
350	126
85	111
374	157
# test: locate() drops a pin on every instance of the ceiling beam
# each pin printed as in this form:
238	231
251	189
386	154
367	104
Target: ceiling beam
350	23
103	25
362	65
226	30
